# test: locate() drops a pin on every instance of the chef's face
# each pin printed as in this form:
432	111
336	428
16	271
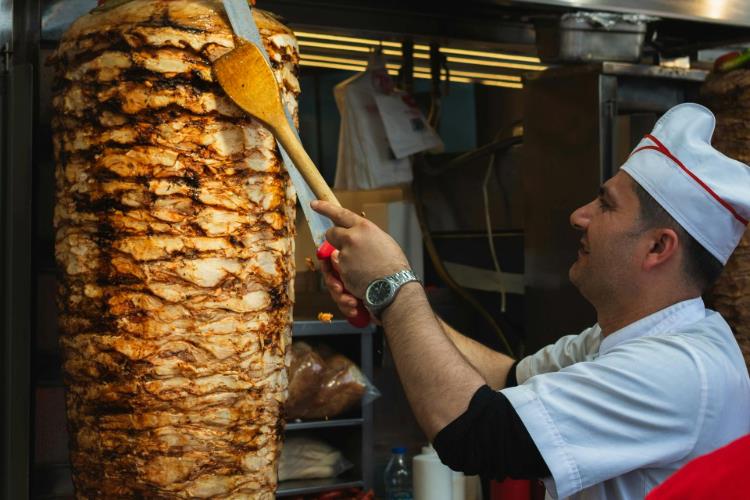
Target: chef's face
607	263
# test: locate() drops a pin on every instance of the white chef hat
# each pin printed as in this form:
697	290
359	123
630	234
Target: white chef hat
707	193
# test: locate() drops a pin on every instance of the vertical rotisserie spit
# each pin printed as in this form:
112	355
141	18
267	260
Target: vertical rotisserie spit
727	96
174	222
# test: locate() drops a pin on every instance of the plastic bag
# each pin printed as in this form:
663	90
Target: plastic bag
324	384
365	159
306	458
305	378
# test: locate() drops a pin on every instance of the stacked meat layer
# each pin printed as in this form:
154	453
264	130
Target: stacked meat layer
174	222
728	97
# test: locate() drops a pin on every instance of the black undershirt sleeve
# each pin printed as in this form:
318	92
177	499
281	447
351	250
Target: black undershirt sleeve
511	380
490	439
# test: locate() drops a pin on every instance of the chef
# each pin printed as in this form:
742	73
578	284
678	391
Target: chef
613	411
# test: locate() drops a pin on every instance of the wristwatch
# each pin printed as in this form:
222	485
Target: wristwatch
381	292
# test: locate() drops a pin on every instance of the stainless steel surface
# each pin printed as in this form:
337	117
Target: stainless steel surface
651	71
575	38
732	12
243	24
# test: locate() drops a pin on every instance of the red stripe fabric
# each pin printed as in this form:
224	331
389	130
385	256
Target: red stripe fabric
666	152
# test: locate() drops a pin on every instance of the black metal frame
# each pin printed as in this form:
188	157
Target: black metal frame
19	35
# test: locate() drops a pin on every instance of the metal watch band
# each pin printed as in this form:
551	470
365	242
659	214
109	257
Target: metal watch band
401	278
398	280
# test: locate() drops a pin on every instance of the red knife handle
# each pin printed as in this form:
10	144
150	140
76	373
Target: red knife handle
362	319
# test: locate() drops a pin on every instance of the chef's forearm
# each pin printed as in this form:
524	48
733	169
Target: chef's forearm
437	379
492	365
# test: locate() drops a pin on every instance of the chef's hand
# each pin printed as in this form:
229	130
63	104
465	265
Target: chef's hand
365	253
345	301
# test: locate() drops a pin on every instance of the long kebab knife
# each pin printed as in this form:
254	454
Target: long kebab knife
243	23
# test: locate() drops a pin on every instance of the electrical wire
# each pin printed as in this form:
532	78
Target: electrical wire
440	269
488	223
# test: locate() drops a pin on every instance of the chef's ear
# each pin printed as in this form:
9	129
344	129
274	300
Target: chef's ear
664	243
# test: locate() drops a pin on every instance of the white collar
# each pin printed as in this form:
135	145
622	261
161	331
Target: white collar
665	320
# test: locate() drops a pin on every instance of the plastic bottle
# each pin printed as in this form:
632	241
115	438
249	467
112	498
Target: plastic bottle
398	476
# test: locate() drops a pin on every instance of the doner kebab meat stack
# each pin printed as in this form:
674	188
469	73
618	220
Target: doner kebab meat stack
174	222
728	96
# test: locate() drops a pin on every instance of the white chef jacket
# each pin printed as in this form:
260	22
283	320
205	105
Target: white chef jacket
615	416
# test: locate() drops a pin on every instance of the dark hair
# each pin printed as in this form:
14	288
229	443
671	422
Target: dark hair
700	265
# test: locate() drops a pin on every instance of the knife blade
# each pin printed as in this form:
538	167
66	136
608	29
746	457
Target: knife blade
243	23
241	18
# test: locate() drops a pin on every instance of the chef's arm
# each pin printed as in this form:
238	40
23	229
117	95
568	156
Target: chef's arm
494	366
474	429
438	381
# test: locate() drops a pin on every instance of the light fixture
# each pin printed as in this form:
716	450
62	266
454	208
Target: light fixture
340	46
342	60
481	53
340	38
487	76
423	69
423	75
480	62
348	53
498	64
495	83
321	64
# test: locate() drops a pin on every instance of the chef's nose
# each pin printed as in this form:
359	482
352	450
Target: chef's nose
581	217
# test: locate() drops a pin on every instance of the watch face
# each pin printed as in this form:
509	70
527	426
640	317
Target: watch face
379	292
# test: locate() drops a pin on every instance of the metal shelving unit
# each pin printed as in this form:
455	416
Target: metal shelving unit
356	431
291	488
324	424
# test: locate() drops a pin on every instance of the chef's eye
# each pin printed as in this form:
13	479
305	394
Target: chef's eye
603	205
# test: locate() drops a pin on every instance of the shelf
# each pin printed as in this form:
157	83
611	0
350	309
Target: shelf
310	328
306	486
324	424
649	70
61	486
